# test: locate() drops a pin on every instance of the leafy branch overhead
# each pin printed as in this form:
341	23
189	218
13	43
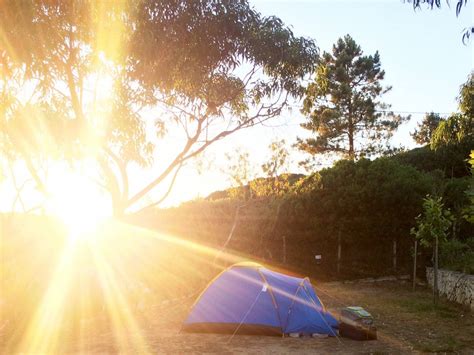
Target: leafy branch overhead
467	32
204	69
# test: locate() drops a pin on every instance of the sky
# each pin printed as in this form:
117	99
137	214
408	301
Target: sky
421	52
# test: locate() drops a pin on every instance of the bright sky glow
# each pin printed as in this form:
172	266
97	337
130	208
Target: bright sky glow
421	52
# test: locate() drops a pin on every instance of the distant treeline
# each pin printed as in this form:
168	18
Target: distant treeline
361	210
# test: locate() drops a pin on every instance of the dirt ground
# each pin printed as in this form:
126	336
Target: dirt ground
406	321
120	317
404	326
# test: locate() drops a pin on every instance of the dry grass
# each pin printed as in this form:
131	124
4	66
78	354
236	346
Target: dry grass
409	317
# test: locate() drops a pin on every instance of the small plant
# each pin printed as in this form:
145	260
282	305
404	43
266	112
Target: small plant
433	223
469	210
431	229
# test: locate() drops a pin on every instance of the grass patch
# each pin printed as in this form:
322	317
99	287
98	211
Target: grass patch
446	344
425	306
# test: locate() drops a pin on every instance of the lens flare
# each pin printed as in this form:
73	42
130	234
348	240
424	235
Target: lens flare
78	202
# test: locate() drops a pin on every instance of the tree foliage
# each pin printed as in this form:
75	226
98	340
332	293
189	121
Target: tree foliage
240	169
417	4
278	159
276	180
94	70
466	97
369	203
342	104
459	127
433	223
469	210
458	255
424	132
437	3
364	196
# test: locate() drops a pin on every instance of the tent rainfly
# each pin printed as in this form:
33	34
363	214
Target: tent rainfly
247	298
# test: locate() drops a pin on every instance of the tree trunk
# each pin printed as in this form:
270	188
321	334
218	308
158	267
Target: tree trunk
435	274
350	135
351	147
414	264
339	252
394	255
118	209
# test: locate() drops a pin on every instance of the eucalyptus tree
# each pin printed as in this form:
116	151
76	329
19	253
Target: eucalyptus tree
85	80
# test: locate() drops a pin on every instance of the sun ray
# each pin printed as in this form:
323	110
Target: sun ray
127	333
42	335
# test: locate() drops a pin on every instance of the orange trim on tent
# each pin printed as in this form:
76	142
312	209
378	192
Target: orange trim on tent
247	264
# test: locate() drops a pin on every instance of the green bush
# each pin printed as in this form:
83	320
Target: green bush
458	255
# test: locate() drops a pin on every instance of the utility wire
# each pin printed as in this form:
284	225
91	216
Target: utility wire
287	124
393	111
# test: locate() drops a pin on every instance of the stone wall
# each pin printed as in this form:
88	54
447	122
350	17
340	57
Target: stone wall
456	286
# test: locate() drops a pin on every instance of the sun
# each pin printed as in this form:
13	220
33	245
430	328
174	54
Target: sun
78	201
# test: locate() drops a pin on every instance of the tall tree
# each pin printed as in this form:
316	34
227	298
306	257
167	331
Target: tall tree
96	70
343	107
426	128
459	127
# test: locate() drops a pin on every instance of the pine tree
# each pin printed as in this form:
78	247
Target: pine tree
342	104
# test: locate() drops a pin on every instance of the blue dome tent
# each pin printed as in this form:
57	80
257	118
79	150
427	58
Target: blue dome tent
250	299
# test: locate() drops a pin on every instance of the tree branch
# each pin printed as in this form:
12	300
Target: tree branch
123	172
154	204
178	160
